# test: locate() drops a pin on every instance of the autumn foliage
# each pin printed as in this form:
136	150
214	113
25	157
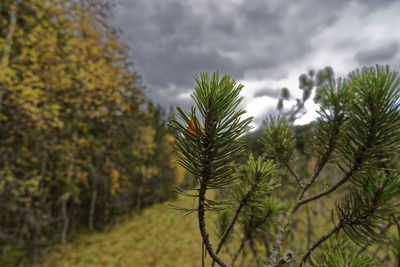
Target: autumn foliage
79	144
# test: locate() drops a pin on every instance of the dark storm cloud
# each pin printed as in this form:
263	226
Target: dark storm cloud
172	40
376	4
170	43
381	54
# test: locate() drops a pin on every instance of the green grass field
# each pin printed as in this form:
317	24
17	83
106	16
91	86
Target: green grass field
160	237
156	237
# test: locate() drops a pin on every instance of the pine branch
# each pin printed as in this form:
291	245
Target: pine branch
208	152
281	235
228	229
335	230
359	127
242	244
358	161
203	230
254	250
235	217
320	164
206	174
293	173
267	244
366	245
359	158
329	190
279	143
228	251
362	211
258	175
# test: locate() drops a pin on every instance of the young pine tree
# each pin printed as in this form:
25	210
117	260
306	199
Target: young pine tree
357	133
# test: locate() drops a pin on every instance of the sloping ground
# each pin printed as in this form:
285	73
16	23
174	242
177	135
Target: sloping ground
160	237
156	237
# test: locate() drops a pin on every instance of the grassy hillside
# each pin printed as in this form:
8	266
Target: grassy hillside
160	237
156	237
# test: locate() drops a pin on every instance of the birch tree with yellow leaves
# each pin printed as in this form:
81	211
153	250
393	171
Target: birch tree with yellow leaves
72	130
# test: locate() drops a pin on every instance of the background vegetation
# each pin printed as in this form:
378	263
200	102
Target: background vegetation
79	145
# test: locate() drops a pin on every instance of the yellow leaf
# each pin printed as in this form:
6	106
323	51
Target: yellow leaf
194	130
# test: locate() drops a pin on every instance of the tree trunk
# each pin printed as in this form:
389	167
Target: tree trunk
139	198
34	251
64	209
65	220
93	199
92	209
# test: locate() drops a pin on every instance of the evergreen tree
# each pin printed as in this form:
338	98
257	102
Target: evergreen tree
358	132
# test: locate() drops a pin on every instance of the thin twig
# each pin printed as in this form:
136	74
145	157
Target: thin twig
299	202
244	254
267	244
228	251
233	221
228	229
335	230
290	213
320	164
254	250
292	172
329	190
239	250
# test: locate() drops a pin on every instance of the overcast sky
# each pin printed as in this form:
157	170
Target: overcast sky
264	44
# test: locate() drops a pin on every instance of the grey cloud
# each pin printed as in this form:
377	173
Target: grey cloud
374	4
269	112
274	93
378	55
172	40
169	98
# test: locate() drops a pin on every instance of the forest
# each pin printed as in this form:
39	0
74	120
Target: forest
79	144
93	173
